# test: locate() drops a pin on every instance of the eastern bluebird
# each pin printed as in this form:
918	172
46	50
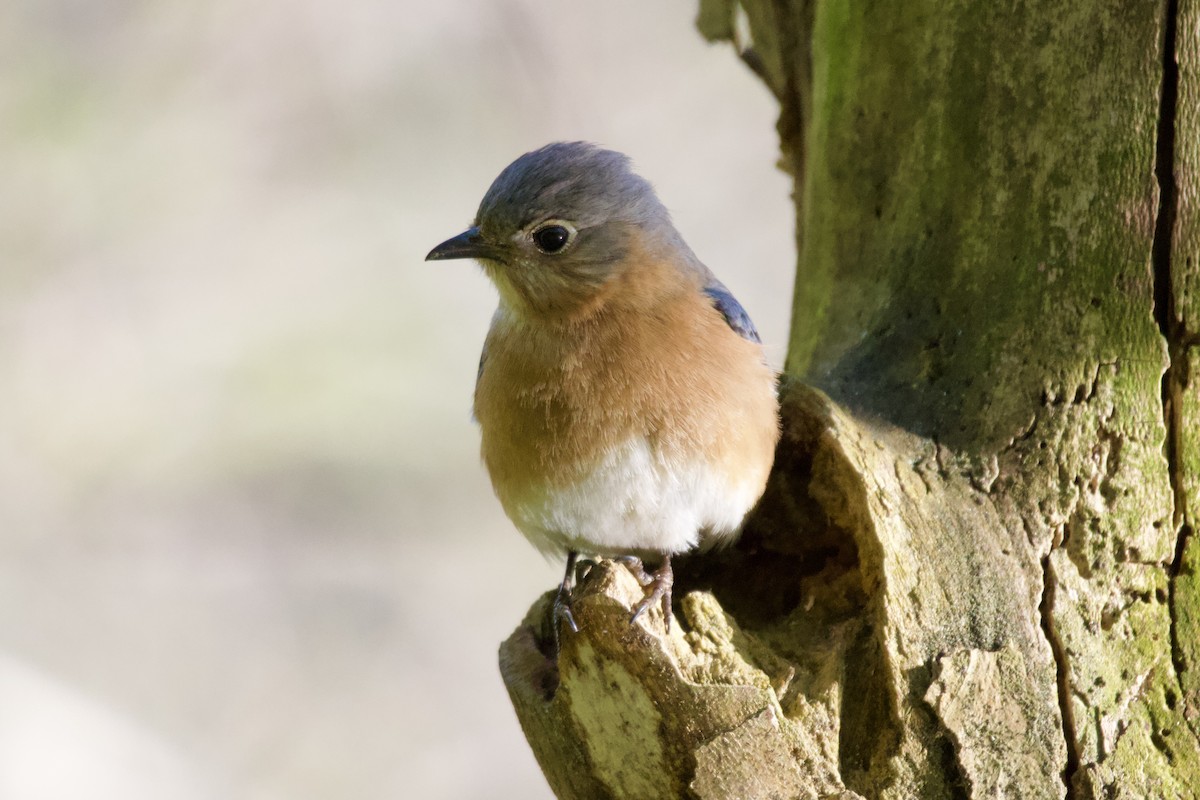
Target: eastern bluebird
624	402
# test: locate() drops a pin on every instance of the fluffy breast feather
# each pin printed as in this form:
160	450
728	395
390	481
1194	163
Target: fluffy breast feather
640	428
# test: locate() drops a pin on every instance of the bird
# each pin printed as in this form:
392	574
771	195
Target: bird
624	401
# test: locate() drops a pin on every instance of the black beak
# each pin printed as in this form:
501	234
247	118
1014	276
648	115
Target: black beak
468	244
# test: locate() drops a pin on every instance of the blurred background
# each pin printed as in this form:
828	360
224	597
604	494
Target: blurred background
247	549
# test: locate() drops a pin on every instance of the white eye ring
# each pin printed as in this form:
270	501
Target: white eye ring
553	236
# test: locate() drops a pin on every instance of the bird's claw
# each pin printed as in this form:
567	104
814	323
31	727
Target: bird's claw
656	585
635	566
657	589
561	612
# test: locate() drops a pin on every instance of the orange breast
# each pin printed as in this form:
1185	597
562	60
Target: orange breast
552	400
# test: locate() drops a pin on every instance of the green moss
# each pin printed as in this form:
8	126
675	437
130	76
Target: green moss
960	216
978	221
1186	634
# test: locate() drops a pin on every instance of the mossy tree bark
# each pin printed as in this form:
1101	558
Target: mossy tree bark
974	573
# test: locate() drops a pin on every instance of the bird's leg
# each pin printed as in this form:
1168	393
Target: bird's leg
657	588
561	610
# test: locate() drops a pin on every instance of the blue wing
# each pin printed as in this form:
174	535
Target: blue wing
724	301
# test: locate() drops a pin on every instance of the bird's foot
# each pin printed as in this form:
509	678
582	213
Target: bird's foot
657	587
561	610
577	570
637	568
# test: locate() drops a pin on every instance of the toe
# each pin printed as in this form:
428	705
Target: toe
636	568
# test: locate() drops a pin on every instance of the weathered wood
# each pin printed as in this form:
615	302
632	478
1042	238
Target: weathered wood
974	573
1182	382
817	684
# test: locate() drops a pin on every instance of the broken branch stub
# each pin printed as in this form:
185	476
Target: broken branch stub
840	649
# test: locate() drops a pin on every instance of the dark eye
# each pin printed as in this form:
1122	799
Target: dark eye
551	238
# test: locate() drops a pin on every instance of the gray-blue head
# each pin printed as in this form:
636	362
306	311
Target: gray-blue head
556	225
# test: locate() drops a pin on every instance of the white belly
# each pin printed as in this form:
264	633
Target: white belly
636	499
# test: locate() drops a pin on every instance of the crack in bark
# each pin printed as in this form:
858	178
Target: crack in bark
1165	312
1173	329
1063	673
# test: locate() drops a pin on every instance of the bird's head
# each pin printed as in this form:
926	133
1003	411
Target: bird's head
559	224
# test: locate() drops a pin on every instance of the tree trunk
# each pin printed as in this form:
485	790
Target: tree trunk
973	573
